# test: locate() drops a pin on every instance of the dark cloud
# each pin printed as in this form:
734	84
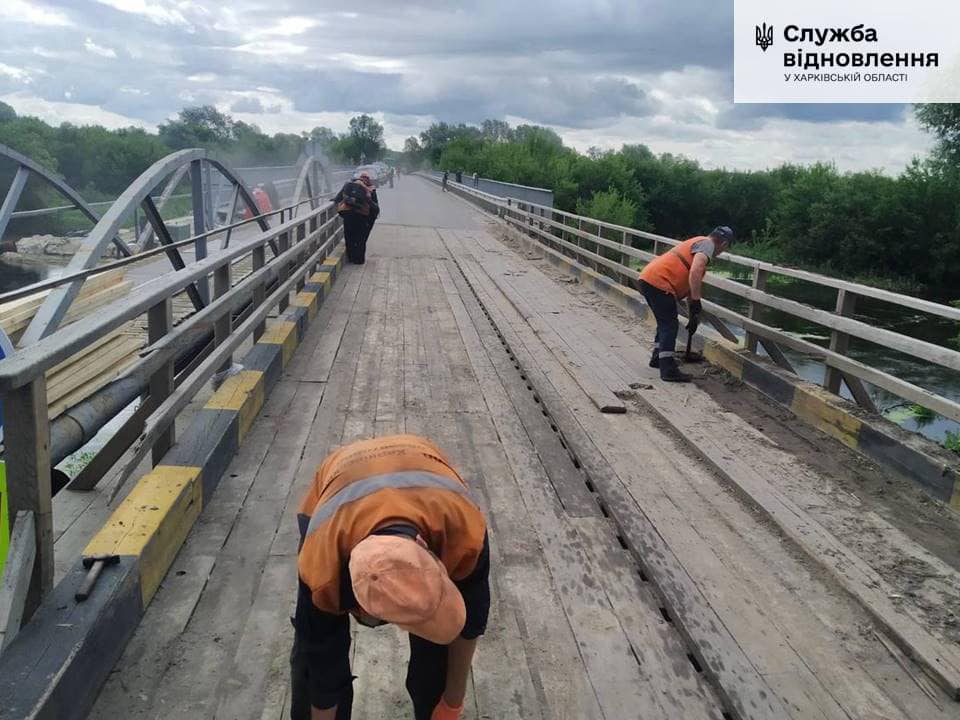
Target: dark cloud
749	116
579	64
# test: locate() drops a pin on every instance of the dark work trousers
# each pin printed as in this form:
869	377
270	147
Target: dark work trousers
664	308
300	688
356	228
426	679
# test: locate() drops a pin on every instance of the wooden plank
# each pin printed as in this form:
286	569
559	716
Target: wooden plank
670	678
264	645
853	574
606	651
505	672
27	446
316	366
566	480
746	693
738	440
389	408
15	580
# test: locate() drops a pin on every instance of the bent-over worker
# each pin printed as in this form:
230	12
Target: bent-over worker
671	277
358	205
389	534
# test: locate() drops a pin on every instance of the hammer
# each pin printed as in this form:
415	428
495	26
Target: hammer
94	565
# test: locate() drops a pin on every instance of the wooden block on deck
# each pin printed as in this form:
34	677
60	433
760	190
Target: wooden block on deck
152	523
283	334
244	393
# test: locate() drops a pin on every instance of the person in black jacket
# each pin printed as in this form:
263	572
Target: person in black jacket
359	206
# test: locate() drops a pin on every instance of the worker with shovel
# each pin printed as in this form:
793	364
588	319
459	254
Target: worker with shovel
674	276
389	534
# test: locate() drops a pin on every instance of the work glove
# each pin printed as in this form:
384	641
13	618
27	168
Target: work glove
444	712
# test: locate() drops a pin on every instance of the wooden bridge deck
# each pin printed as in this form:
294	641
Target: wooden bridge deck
448	332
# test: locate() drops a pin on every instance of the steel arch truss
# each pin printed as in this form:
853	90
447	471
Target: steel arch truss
313	182
26	166
198	163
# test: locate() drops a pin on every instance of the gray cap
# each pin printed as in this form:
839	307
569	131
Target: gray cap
723	233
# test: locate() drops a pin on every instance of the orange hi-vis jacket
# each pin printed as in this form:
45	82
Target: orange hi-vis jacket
670	272
367	485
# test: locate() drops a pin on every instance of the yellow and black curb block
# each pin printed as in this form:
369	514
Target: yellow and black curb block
54	668
936	470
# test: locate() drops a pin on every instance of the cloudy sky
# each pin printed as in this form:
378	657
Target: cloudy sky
600	72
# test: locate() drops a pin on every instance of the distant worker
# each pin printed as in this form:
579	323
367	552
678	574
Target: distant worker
262	200
446	177
672	277
358	205
390	177
388	534
476	180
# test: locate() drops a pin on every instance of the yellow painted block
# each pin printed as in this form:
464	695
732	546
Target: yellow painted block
242	392
729	360
282	333
813	405
152	523
322	278
336	259
308	300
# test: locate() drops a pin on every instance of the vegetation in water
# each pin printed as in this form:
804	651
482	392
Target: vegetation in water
952	441
923	416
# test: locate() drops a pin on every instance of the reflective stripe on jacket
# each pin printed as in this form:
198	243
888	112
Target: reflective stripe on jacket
369	484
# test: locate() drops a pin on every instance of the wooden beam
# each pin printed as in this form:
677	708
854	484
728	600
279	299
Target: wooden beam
16	576
27	442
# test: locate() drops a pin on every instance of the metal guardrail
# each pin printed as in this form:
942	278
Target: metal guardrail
583	238
301	243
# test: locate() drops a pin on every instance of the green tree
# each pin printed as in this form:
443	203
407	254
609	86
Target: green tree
943	120
201	126
363	142
7	113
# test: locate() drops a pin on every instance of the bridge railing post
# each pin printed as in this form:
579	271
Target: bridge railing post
302	256
27	456
222	326
283	243
259	259
624	258
839	341
753	311
161	383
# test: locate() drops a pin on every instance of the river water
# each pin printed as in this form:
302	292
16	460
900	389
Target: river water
15	275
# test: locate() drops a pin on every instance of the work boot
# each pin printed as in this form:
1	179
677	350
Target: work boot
655	358
669	372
